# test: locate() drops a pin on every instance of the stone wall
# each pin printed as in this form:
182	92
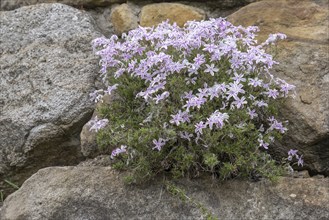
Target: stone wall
48	70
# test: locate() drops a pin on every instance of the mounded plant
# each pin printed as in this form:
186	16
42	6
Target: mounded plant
187	100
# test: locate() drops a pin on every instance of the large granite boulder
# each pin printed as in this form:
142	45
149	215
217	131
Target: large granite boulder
47	72
304	62
99	193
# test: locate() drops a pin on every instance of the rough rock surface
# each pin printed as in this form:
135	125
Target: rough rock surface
47	72
99	193
154	14
89	147
304	62
12	4
101	15
123	19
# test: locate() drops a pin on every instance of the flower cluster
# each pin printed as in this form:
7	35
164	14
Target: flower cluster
208	82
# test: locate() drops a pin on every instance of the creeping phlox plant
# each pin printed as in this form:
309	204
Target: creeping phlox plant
191	99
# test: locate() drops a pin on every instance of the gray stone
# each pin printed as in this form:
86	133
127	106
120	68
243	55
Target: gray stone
59	193
304	62
47	72
13	4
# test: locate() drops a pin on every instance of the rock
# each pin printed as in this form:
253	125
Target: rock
47	72
102	19
99	193
123	19
154	14
304	62
89	147
302	174
12	4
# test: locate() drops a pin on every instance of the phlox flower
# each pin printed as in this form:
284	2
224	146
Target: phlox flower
96	124
188	95
277	125
217	118
300	161
238	78
180	117
195	101
199	126
186	135
239	102
199	60
209	48
263	144
213	92
272	93
158	144
96	96
293	153
202	93
161	97
261	103
211	69
110	89
252	113
118	151
255	82
234	89
191	80
274	37
286	88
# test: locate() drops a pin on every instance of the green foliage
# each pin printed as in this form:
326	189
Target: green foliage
13	185
136	124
